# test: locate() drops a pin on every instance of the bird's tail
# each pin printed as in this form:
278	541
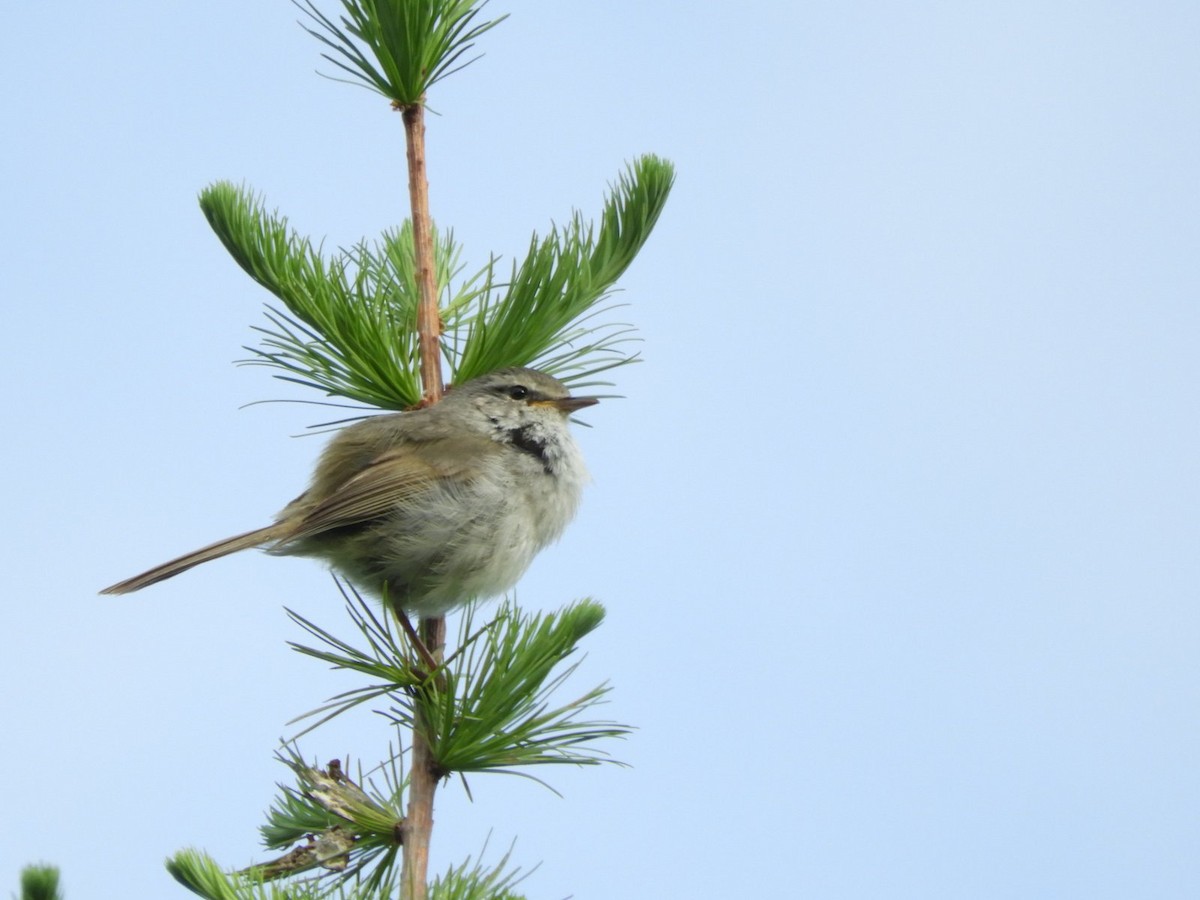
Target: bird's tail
221	548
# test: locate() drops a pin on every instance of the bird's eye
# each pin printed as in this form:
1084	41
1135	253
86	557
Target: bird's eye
518	392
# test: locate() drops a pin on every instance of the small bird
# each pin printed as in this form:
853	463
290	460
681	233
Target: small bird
436	507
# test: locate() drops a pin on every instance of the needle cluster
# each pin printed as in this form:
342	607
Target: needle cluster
488	708
346	323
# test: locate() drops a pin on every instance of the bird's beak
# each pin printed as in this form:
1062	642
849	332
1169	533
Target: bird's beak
567	404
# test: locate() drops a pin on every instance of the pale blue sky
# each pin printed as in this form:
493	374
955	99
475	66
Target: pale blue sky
897	528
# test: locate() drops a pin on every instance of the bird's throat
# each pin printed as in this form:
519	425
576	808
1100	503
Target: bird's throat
528	440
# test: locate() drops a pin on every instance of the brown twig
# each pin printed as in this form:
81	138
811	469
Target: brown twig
424	774
429	320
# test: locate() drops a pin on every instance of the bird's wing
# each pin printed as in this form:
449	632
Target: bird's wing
389	480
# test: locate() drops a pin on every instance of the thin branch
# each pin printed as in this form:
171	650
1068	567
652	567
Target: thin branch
422	784
424	777
429	320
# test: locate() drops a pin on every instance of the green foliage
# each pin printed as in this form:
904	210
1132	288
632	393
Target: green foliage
325	798
488	707
398	48
545	317
387	659
352	831
349	328
347	325
40	883
201	875
500	716
471	881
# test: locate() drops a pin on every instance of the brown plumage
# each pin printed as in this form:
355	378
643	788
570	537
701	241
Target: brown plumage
435	506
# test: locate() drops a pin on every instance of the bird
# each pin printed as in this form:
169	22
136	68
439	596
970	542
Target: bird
432	508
